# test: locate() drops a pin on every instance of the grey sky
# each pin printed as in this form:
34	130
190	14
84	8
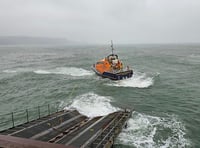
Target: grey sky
99	21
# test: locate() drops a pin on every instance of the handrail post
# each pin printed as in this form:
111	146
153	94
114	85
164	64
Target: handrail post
13	119
48	109
27	117
39	112
56	106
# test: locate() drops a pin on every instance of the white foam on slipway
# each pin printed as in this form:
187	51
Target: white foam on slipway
92	105
73	71
147	131
138	80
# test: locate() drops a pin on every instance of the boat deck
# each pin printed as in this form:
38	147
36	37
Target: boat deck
70	128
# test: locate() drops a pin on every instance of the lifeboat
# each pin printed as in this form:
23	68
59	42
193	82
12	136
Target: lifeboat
112	67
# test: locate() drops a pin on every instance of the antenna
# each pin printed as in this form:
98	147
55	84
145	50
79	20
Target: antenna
112	46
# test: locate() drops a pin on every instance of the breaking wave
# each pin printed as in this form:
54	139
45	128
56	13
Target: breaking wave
138	80
195	56
92	105
9	71
73	71
149	131
18	70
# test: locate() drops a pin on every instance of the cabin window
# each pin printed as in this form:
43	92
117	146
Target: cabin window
99	62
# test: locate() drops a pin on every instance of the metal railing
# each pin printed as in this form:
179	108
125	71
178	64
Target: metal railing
19	117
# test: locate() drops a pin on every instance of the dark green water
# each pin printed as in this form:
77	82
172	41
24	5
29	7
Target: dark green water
164	91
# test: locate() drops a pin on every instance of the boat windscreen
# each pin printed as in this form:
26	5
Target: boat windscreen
113	56
100	62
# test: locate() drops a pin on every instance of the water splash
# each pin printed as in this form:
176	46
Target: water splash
73	71
92	105
150	131
138	80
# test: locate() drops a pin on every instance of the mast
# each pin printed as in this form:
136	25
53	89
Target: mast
112	46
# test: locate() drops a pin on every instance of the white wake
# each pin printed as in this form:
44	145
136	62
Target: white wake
138	80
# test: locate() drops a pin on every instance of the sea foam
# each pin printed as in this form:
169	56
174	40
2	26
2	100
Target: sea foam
143	130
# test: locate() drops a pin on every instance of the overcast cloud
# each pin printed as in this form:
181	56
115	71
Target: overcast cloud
99	21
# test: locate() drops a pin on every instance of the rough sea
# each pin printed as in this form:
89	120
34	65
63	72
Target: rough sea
164	90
